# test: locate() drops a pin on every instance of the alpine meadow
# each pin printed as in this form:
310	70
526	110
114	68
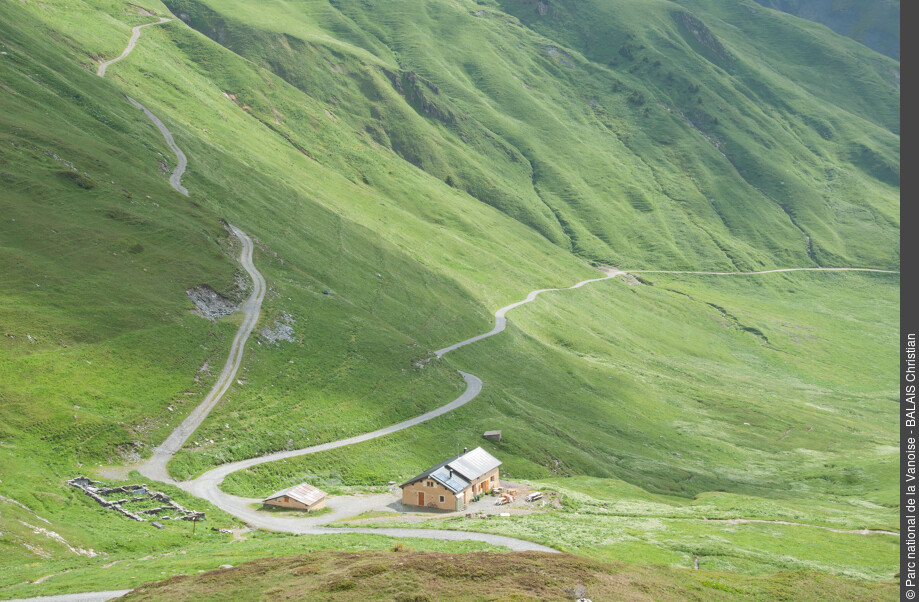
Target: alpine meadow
247	245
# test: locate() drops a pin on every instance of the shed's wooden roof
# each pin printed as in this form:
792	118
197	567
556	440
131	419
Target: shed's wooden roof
303	493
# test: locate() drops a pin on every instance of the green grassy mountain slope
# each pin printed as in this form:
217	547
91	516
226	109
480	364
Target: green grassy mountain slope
875	24
622	136
612	521
691	387
405	169
682	385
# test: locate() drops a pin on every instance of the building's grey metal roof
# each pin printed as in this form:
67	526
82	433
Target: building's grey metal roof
465	468
449	479
474	464
303	493
426	473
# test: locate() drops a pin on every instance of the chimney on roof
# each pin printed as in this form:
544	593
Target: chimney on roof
465	450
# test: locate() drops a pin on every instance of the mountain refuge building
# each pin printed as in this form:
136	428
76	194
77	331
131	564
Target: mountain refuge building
299	497
453	483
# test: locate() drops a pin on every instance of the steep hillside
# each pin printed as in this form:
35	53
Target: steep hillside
875	24
406	168
100	351
622	136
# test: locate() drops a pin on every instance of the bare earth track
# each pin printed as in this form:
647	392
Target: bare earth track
207	485
135	33
155	467
765	271
175	180
85	597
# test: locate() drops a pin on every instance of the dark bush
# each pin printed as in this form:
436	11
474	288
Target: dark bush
342	585
77	178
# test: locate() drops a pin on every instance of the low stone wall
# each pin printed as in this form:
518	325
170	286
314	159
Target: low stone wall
139	493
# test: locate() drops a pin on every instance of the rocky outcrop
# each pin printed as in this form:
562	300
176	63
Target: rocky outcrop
283	330
412	87
711	48
209	303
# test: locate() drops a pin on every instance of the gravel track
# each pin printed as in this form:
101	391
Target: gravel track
155	467
135	33
501	320
87	597
206	485
766	271
175	180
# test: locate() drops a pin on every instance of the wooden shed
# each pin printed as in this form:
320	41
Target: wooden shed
299	497
492	435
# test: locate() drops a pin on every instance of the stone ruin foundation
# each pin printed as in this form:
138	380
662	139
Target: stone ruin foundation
164	508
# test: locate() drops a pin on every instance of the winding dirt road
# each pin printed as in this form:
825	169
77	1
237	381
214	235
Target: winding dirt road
175	180
765	271
155	467
501	320
135	33
206	485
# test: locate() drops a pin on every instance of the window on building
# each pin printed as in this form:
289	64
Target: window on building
492	479
441	499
